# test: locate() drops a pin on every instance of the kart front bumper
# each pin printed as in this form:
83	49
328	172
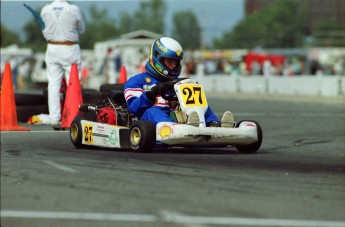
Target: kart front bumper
180	134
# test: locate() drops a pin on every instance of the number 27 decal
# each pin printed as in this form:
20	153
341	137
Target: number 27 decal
88	134
193	95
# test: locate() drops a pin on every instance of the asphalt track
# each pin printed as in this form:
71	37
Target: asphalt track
296	179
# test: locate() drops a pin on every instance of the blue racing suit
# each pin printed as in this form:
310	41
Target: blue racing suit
145	109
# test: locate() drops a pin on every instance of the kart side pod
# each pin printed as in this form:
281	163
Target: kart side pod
84	133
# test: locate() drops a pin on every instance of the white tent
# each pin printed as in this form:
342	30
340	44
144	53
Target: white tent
132	48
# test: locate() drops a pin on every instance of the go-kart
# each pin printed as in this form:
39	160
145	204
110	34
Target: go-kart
109	124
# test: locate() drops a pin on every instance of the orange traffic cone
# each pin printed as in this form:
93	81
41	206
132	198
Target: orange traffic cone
123	75
143	69
8	112
73	98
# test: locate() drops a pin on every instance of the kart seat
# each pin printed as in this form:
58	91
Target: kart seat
115	91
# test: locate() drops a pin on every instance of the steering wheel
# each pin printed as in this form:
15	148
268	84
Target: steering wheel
170	95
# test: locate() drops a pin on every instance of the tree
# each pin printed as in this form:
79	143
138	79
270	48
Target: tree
8	37
278	25
126	23
99	27
187	30
329	32
33	36
150	16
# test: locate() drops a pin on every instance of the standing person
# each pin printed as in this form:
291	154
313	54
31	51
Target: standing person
144	91
14	67
63	24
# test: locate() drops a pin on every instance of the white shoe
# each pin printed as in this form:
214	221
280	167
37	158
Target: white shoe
193	119
55	123
227	120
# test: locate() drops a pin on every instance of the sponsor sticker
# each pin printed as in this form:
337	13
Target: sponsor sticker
160	46
113	137
100	129
165	131
159	67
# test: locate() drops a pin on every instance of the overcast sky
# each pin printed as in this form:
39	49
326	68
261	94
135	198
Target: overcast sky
215	16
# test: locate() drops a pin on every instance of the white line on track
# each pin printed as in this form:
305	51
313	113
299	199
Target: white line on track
78	216
59	166
168	217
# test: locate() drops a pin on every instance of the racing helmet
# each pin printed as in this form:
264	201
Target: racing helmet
164	47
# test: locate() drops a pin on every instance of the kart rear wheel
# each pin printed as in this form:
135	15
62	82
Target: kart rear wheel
76	132
111	87
254	147
142	136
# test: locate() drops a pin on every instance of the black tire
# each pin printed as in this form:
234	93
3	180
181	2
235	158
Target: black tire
142	136
25	112
76	132
111	87
90	95
254	147
45	95
26	99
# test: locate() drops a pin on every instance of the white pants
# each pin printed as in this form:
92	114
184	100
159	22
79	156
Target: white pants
59	59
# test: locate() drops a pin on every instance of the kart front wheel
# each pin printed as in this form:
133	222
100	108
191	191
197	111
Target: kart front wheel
253	147
142	136
76	132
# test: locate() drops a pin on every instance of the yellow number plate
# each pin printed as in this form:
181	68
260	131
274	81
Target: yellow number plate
193	95
88	138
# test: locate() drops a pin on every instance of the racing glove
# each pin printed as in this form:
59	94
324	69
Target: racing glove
159	89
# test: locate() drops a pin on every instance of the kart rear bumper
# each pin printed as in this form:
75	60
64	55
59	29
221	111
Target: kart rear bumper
104	135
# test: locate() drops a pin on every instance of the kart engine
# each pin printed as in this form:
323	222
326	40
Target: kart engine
109	115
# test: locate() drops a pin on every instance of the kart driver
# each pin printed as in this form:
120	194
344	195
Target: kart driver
143	92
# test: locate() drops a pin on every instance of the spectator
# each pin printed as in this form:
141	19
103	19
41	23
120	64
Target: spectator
243	67
228	68
190	68
23	74
63	24
220	67
339	67
110	66
14	67
315	67
296	66
210	67
267	67
287	68
255	68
